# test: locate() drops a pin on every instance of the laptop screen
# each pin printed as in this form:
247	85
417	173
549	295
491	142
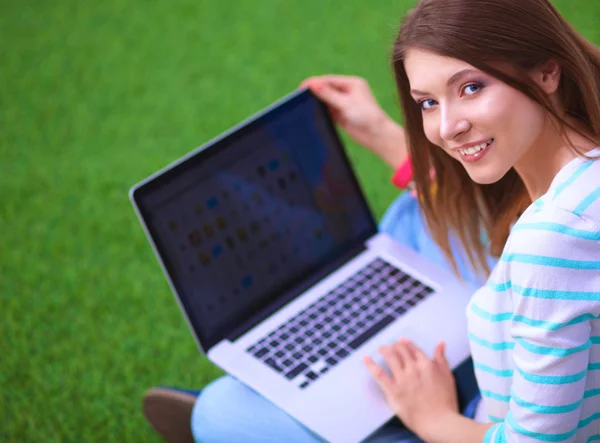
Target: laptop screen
240	224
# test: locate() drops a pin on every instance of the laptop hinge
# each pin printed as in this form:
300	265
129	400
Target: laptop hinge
298	288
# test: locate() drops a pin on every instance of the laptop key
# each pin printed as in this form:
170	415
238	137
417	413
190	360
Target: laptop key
313	359
311	375
369	333
279	354
273	364
400	310
296	371
261	352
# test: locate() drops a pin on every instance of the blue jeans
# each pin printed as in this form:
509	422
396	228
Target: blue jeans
230	412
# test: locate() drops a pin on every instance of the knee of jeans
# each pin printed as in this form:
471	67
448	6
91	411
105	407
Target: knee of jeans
214	409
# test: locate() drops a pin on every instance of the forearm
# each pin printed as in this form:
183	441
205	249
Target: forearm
390	143
455	428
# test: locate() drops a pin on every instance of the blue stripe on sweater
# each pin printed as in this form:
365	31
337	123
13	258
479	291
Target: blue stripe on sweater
537	435
544	293
545	409
495	396
555	262
490	370
542	324
500	346
555	352
552	379
589	200
559	229
489	435
578	172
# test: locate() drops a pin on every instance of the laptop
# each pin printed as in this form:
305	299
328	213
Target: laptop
275	259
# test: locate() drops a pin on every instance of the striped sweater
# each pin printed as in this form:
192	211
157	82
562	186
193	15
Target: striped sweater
534	329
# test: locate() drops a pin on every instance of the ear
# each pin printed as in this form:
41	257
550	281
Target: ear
547	76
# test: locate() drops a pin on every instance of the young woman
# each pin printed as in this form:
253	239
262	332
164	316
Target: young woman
501	104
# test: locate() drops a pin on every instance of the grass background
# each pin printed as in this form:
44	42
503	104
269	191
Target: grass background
96	96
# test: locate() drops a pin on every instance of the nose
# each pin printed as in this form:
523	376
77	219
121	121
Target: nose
453	123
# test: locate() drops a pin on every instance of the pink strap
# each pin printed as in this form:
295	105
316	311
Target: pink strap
403	175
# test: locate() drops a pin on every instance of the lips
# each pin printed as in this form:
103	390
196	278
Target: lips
475	149
475	153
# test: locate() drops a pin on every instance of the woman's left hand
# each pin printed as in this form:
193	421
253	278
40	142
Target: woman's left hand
419	389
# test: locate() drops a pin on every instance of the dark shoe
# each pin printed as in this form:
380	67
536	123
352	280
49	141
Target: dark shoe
169	411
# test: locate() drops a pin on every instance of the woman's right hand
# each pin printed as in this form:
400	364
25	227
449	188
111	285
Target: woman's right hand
356	110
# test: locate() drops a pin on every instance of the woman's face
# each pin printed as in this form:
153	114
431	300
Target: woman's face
478	120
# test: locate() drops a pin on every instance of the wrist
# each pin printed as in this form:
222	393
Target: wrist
453	427
389	142
436	430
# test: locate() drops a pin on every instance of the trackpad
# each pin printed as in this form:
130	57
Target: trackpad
422	340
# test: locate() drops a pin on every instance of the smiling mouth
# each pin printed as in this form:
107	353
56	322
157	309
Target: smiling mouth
475	149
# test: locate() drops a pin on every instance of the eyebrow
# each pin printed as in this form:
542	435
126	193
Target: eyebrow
455	77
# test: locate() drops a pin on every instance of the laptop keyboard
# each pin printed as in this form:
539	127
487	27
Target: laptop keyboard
330	329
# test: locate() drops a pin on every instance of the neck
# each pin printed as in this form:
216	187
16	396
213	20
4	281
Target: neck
550	153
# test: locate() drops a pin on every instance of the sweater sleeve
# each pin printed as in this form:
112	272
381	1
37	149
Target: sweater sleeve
553	272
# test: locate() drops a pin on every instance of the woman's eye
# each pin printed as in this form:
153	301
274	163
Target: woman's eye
472	88
426	104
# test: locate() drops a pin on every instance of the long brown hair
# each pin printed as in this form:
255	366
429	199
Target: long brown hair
519	35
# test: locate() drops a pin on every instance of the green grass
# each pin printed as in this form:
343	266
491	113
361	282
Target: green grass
93	98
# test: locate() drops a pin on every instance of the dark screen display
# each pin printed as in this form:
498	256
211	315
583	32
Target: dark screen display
240	222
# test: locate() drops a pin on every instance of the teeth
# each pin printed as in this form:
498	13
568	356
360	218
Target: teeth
474	149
